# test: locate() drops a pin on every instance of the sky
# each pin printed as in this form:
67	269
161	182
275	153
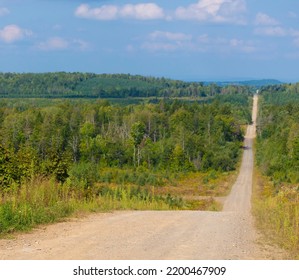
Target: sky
194	40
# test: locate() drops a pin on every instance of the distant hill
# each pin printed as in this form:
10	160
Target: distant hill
251	83
90	85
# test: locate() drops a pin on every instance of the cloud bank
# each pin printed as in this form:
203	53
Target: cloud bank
264	19
219	11
144	11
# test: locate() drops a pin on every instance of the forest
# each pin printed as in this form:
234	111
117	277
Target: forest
89	85
61	155
66	139
278	159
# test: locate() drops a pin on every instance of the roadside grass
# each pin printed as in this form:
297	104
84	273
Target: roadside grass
208	204
36	202
43	201
201	191
211	183
276	210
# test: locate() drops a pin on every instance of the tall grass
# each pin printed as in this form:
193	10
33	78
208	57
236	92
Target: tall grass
45	201
277	214
34	203
42	201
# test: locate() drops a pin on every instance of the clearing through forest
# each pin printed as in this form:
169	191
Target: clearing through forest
142	235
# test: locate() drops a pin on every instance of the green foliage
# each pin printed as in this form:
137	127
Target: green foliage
140	194
179	160
8	172
82	150
16	167
88	85
34	203
140	177
277	206
277	212
63	138
84	174
46	201
281	94
278	134
137	133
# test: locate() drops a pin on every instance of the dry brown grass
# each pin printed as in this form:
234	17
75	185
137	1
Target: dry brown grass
210	184
201	191
276	210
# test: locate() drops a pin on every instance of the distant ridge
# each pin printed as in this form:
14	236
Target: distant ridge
253	83
90	85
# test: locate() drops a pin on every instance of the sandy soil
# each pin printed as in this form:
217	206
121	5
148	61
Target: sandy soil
128	235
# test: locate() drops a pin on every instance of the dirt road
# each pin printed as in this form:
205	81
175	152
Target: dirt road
229	234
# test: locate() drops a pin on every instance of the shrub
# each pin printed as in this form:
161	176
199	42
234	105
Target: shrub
84	174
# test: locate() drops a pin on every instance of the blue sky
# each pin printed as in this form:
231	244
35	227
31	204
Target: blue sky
190	39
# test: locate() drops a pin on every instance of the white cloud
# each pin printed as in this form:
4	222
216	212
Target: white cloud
213	11
3	11
264	19
242	46
61	44
275	31
12	33
160	46
224	45
168	41
145	11
106	12
81	45
170	36
55	43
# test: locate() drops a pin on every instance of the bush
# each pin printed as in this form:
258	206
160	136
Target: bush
84	174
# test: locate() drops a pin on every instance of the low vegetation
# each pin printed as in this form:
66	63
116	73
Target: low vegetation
41	200
277	212
45	201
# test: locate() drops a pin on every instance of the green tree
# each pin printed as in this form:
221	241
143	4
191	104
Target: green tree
137	136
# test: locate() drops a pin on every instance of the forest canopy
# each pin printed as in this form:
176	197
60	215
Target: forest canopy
78	141
89	85
278	133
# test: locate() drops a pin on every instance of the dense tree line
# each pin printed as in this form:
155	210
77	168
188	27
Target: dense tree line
278	133
281	94
70	140
89	85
